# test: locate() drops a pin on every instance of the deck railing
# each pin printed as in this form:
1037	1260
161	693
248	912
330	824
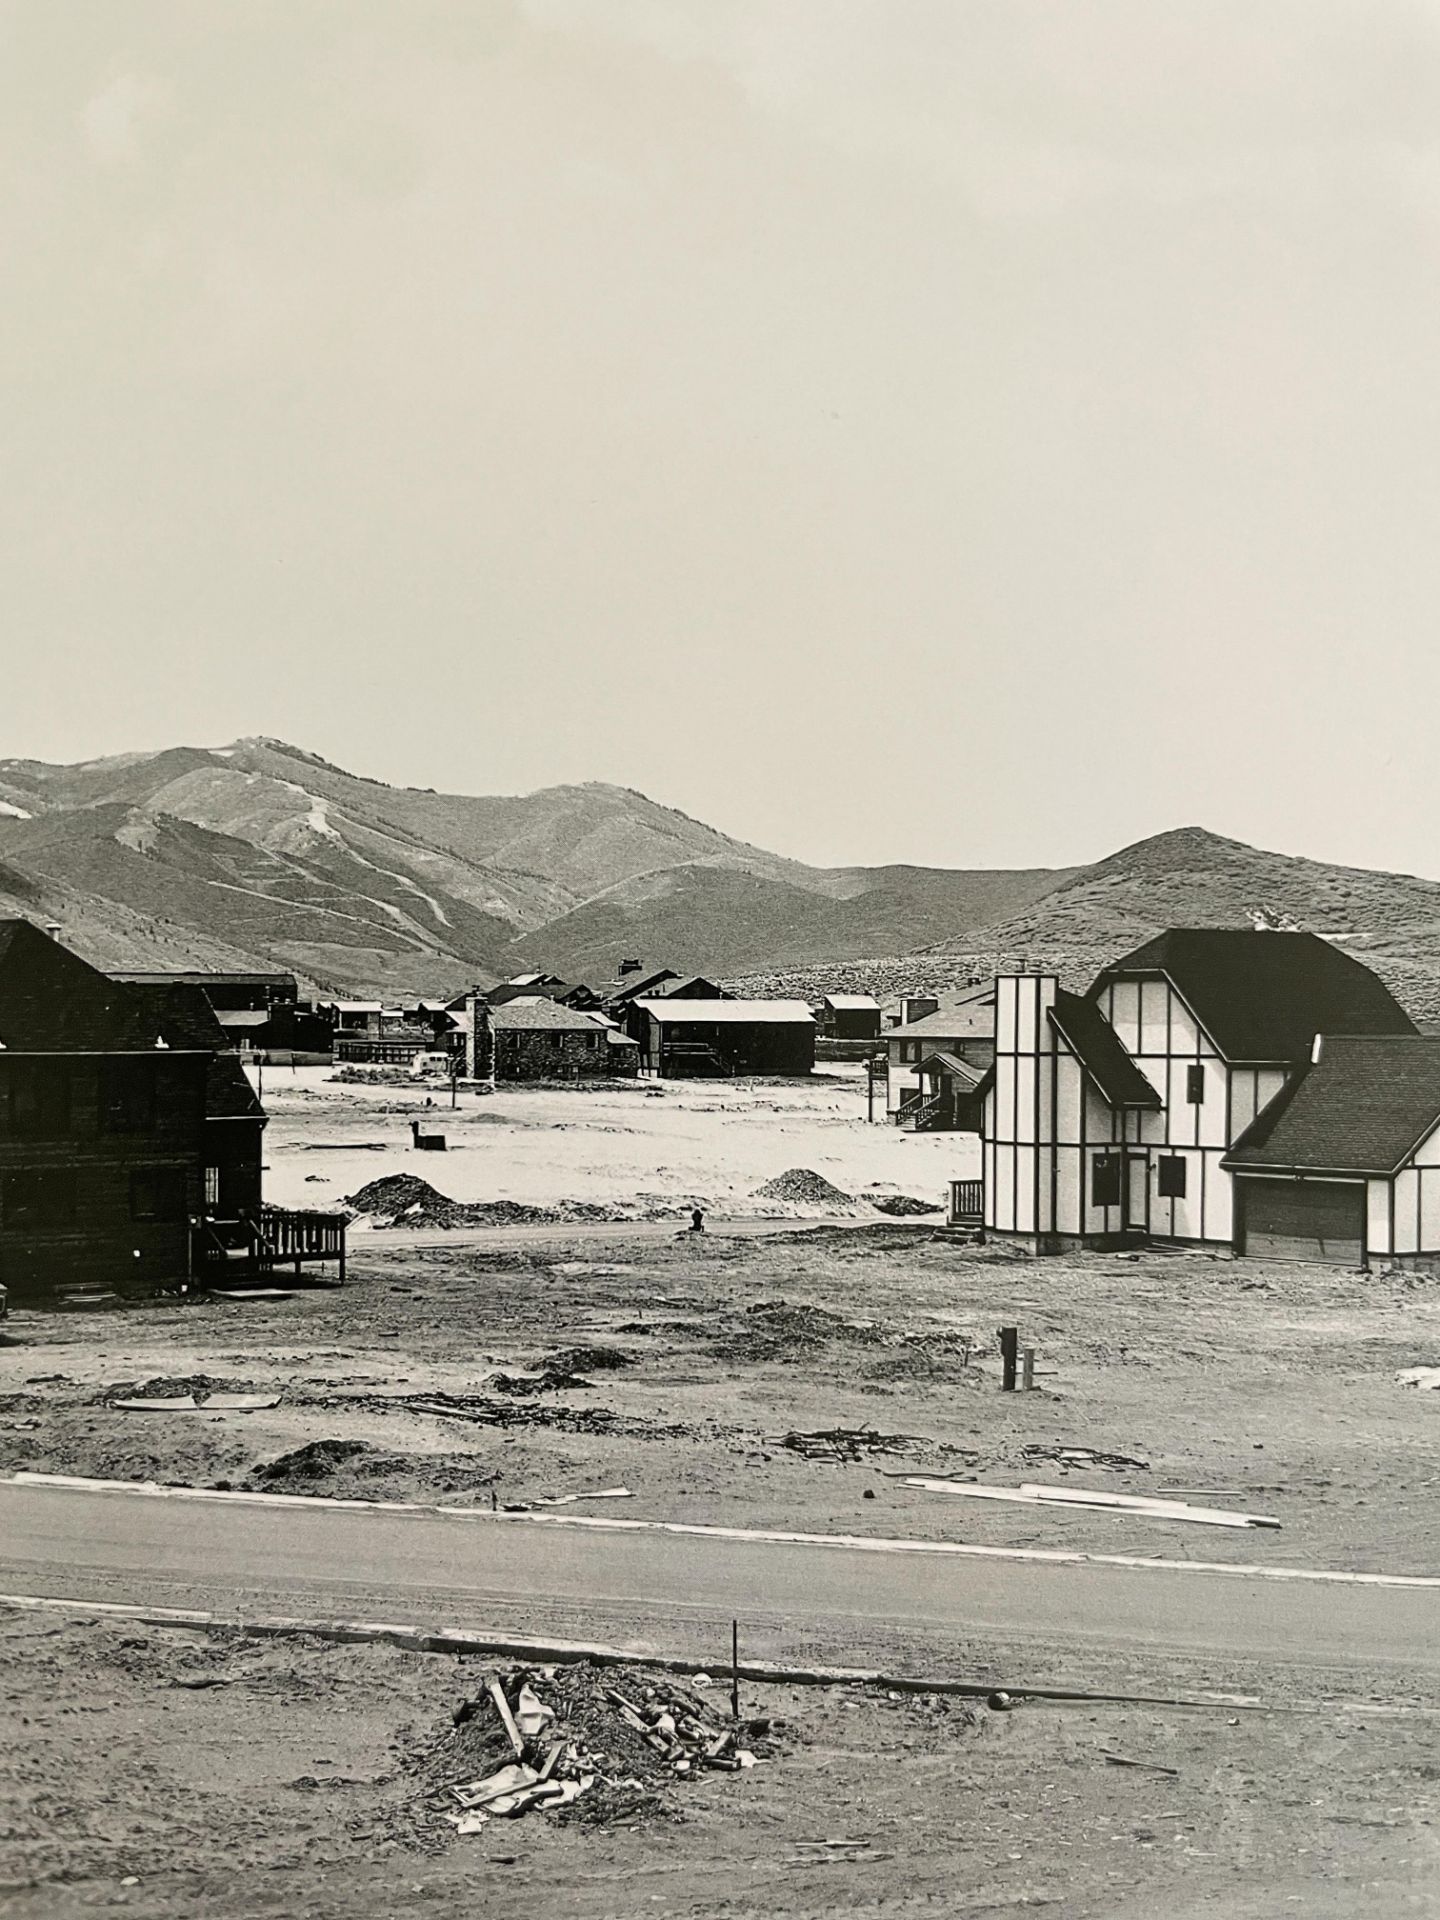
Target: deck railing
967	1203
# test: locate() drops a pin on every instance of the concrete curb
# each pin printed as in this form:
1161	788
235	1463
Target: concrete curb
556	1652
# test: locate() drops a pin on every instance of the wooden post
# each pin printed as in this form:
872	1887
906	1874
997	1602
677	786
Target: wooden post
1009	1351
1027	1369
734	1669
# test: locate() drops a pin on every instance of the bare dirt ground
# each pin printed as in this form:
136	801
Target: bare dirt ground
292	1781
572	1358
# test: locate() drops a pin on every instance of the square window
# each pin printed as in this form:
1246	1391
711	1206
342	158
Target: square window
1105	1173
39	1103
157	1193
1170	1171
38	1197
127	1096
1195	1085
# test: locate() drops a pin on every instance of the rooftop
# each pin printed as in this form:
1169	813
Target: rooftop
712	1013
1096	1045
1363	1107
1264	996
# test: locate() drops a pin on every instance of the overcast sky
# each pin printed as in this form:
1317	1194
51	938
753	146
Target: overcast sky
980	432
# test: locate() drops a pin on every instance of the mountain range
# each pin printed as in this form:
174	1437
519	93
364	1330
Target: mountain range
260	854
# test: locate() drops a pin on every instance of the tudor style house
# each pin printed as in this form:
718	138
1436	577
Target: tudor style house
1131	1110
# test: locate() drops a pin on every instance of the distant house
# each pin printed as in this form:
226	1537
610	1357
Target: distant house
129	1135
243	1003
537	1039
529	986
962	1031
370	1033
1193	1093
850	1016
683	1037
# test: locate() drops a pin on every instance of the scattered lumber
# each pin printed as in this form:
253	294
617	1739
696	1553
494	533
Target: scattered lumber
1062	1499
1145	1766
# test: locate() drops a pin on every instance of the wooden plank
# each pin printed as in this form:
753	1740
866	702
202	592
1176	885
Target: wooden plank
507	1719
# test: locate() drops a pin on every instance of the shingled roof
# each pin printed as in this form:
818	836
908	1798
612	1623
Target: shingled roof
1363	1107
1264	996
52	1001
539	1016
1096	1045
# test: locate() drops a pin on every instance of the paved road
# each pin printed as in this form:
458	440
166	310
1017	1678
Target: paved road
676	1593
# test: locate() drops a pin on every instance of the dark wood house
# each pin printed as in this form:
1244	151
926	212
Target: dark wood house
713	1038
129	1137
102	1128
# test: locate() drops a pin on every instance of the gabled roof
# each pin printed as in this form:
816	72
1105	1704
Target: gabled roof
1096	1045
1363	1107
950	1064
632	986
669	989
749	1013
52	1001
1264	996
538	1016
851	1002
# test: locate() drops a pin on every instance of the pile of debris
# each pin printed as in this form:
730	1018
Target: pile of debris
902	1206
848	1445
566	1740
1083	1457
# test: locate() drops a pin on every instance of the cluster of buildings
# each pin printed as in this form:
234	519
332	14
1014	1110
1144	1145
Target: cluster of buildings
538	1027
1260	1092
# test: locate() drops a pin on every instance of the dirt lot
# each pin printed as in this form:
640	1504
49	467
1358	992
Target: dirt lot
522	1364
298	1784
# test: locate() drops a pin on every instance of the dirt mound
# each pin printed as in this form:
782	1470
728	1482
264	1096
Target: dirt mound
902	1206
800	1187
590	1359
405	1200
780	1329
355	1468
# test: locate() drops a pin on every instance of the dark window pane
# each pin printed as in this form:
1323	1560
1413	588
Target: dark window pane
38	1197
157	1193
1105	1180
1195	1085
39	1098
127	1096
1170	1176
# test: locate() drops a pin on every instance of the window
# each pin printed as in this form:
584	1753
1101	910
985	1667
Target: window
1195	1085
39	1098
157	1193
1170	1176
1105	1173
212	1186
127	1096
38	1197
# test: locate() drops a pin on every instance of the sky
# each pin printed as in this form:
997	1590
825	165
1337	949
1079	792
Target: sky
972	432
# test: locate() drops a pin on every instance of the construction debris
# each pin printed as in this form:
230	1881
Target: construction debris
564	1740
1083	1499
1145	1766
1067	1457
846	1444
